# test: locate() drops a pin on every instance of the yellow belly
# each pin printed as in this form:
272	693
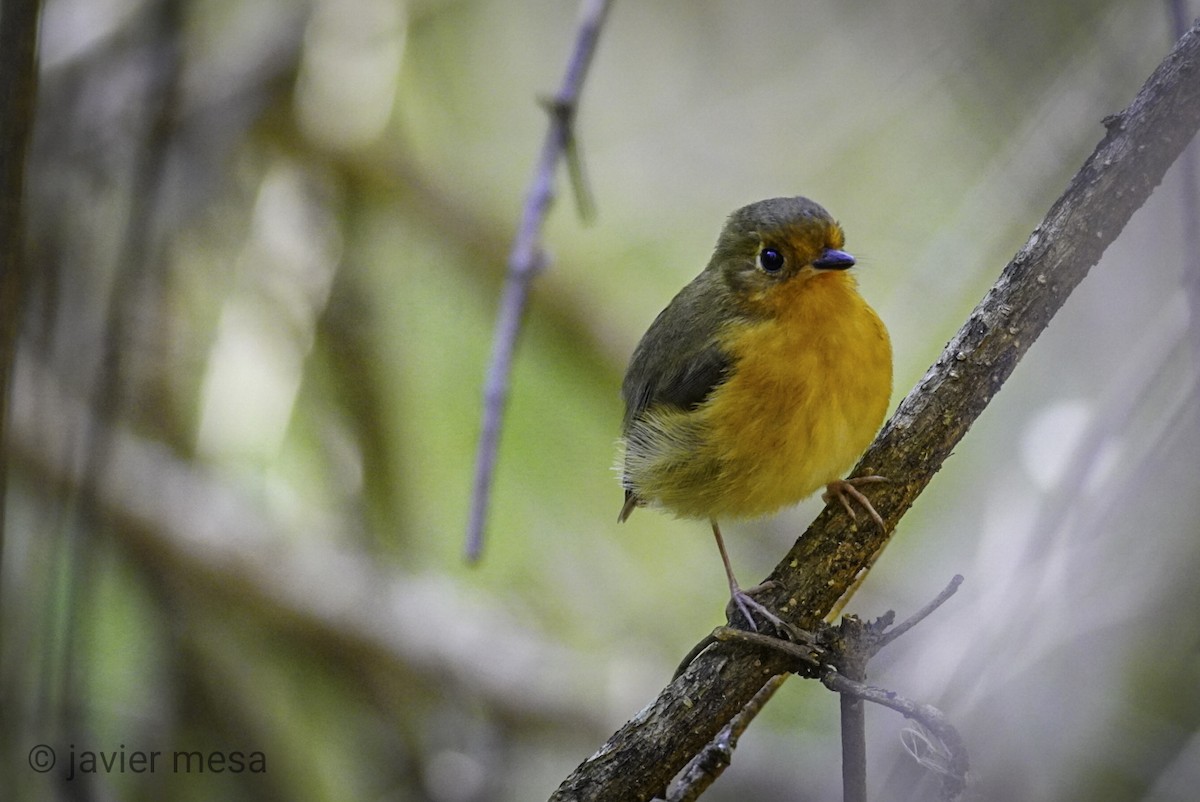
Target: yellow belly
808	391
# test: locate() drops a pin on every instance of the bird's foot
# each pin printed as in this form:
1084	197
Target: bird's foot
741	601
846	489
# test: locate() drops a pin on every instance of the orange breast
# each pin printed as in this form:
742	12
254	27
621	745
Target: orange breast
809	391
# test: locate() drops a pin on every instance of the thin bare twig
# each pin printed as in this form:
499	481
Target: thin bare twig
920	615
805	655
527	258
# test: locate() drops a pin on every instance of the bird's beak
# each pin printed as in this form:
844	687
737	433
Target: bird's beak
833	259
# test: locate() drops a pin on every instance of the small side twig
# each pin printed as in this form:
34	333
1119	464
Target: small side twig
704	769
526	259
564	113
807	657
920	615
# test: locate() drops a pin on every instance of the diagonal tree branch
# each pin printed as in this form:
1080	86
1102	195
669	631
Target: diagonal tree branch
1140	144
704	769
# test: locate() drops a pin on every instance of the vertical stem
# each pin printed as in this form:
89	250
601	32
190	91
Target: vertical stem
18	103
854	749
18	95
854	724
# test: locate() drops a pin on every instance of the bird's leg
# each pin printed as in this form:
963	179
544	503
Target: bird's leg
742	600
843	488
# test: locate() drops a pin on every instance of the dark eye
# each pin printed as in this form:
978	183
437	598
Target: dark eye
770	260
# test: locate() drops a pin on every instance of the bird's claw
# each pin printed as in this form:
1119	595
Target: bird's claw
845	489
741	601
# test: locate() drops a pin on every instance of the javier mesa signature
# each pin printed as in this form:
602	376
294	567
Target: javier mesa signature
43	759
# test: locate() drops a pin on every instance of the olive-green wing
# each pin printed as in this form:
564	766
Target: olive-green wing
685	384
678	362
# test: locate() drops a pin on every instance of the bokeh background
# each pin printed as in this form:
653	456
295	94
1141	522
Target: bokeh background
266	245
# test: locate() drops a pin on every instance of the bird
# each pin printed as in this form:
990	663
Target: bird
761	382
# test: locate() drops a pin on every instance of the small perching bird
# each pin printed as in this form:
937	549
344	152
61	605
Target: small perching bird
762	381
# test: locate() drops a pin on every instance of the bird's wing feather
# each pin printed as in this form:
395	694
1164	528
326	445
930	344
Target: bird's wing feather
687	386
679	361
700	376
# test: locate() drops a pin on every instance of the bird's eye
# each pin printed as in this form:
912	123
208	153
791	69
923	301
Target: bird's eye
770	260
